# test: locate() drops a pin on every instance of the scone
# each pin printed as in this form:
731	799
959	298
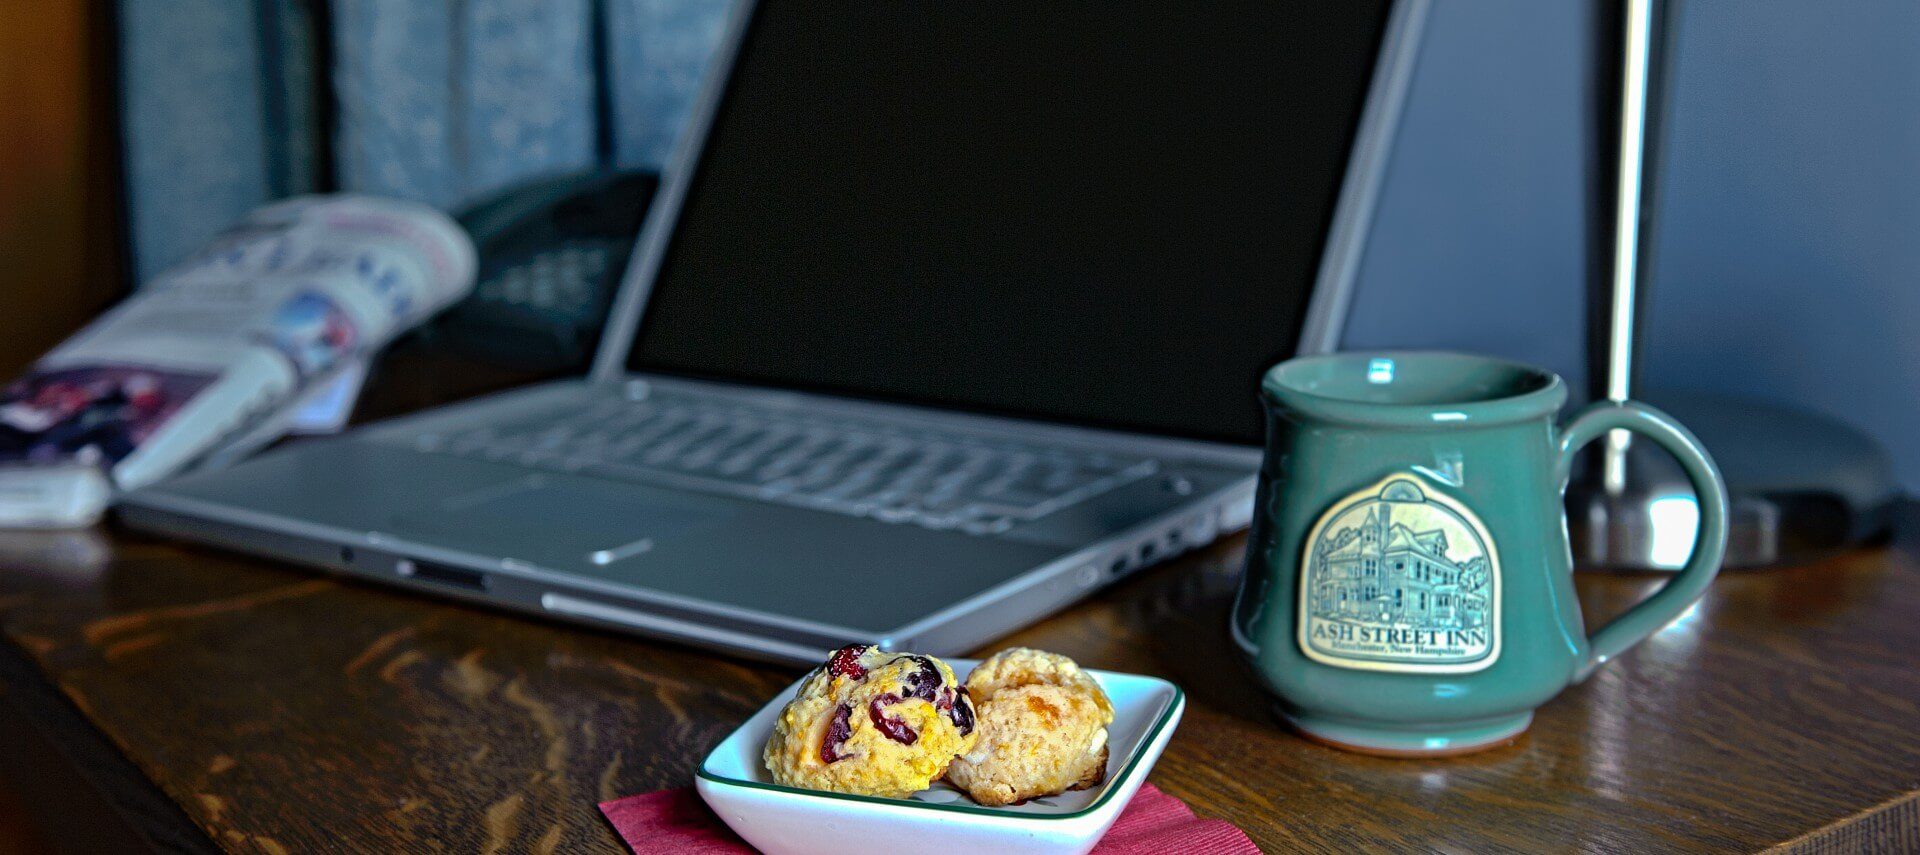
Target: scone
872	723
1020	666
1043	729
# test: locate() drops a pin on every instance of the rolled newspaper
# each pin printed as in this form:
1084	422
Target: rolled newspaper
218	345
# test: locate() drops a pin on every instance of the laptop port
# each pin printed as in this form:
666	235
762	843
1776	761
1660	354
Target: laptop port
441	574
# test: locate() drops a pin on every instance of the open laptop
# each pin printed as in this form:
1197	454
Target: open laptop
948	314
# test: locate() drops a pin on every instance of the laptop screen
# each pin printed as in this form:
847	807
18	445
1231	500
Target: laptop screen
1107	213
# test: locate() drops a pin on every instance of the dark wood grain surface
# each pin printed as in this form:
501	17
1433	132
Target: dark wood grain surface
287	712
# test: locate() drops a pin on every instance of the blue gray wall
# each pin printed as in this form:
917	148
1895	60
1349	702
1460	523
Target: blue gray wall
1787	256
1478	241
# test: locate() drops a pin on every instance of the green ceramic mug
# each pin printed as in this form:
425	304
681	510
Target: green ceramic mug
1409	588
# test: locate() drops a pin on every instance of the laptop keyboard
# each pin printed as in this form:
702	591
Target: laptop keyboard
891	472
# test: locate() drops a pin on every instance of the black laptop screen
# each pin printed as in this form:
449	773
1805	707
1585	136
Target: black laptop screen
1108	213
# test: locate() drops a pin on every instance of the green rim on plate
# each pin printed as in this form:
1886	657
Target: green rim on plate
1159	723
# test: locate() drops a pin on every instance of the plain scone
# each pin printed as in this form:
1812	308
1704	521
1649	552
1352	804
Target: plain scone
1042	724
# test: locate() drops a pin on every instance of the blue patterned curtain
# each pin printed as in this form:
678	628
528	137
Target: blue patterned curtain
191	86
231	103
658	51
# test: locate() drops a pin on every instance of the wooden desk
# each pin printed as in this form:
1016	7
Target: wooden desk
266	709
287	712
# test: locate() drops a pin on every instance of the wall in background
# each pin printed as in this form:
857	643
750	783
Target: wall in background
59	226
1478	242
1787	255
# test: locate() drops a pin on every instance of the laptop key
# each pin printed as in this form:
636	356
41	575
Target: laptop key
893	473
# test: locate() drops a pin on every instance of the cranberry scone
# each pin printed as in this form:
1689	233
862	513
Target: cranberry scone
873	723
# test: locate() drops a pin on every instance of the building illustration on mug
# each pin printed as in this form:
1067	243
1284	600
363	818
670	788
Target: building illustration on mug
1394	575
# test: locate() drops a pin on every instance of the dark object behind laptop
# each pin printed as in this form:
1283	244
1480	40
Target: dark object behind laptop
551	255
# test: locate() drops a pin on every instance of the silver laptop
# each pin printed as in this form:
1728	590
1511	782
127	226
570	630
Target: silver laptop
947	315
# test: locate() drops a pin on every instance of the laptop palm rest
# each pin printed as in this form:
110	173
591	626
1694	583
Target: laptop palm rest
600	524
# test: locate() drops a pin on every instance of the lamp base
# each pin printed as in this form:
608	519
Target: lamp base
1800	485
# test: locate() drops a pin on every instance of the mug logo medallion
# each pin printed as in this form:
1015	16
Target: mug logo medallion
1400	577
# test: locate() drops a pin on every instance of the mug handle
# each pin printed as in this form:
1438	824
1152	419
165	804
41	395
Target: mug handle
1709	546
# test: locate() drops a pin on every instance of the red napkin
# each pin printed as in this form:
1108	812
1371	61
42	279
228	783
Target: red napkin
1154	823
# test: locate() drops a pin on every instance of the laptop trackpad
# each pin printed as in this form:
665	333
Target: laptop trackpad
553	519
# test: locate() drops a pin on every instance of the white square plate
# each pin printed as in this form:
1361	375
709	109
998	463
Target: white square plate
792	821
